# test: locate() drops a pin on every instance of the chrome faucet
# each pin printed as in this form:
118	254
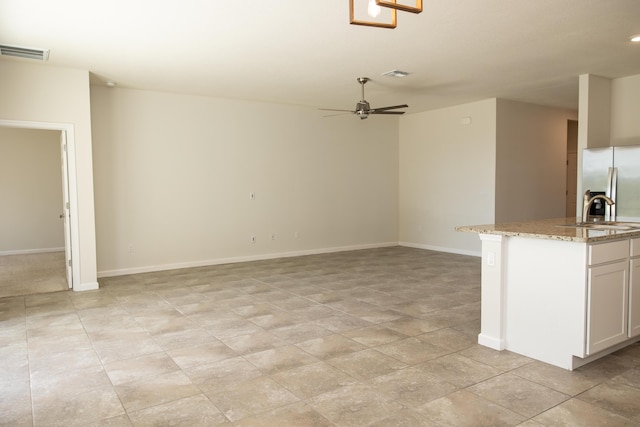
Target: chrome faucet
588	201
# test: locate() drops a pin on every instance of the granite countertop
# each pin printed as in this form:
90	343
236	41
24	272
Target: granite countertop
551	229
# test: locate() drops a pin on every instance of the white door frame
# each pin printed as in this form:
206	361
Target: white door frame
70	166
66	207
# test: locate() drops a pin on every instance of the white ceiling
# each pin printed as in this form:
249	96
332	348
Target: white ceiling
304	52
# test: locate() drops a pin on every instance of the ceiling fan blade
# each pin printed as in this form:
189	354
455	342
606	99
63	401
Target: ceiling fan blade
333	109
338	114
393	107
386	112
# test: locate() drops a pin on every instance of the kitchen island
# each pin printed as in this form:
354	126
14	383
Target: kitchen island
557	293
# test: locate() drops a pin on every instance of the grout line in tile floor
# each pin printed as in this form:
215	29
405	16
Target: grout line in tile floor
378	337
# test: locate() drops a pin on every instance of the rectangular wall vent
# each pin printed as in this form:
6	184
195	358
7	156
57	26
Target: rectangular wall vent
24	52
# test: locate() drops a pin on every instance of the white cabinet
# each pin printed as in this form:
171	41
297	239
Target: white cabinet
609	294
613	294
634	289
607	305
565	303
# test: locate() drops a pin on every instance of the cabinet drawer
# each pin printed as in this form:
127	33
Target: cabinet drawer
606	252
635	247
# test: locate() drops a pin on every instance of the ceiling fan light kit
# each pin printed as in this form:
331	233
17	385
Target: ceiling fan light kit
380	13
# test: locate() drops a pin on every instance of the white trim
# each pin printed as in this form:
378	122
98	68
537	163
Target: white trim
491	342
440	249
89	286
233	260
491	237
31	251
73	183
68	272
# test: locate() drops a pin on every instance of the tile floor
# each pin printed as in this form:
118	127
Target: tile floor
382	337
32	274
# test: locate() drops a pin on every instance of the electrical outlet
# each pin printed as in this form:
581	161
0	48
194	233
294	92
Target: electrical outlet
130	248
491	259
253	239
252	196
273	236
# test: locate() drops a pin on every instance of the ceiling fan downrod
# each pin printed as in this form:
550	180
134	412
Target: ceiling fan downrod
362	81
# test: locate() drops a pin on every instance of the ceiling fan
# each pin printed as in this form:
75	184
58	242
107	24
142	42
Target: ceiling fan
363	109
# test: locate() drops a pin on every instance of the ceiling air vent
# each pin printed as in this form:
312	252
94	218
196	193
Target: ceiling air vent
24	52
396	73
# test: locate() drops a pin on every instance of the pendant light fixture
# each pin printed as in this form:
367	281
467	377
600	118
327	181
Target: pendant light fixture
380	13
373	9
393	4
370	14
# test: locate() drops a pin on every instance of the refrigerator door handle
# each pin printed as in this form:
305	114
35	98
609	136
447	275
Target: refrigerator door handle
607	207
614	192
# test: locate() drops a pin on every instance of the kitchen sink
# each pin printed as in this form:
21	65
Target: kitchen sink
604	225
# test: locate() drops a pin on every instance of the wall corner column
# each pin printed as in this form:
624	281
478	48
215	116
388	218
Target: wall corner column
594	120
493	277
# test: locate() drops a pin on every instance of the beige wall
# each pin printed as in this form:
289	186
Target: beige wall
31	189
173	174
447	176
594	122
41	93
625	111
531	161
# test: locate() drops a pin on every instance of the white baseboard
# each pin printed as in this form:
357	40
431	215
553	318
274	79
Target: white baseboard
440	249
232	260
89	286
491	342
31	251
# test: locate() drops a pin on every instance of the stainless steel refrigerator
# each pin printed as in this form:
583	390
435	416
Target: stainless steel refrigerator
614	171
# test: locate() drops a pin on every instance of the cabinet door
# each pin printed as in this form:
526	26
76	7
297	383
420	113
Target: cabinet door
608	306
634	298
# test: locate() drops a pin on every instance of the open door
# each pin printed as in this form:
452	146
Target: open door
66	218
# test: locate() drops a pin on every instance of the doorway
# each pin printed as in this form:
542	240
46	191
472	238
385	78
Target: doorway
572	168
36	249
32	245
